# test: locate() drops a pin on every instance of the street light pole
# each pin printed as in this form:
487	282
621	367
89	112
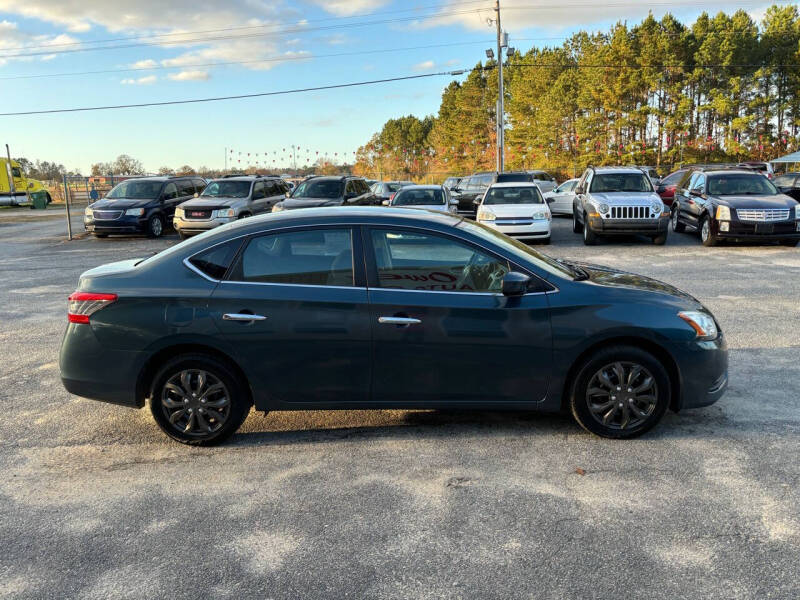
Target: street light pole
500	109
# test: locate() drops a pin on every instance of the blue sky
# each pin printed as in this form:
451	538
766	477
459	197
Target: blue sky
279	44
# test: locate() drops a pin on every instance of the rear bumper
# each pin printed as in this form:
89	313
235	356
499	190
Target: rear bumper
633	226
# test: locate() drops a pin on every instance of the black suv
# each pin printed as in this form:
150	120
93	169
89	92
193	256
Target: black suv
141	205
325	190
735	204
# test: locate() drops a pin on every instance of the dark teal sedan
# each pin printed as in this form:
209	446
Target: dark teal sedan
352	308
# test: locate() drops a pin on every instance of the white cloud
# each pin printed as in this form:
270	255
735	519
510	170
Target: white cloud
346	8
148	80
425	65
14	40
189	76
148	63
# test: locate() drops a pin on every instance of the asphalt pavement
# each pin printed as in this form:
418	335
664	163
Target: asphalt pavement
95	502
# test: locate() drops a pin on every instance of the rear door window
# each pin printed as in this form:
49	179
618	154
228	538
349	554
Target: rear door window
259	190
312	257
170	191
185	188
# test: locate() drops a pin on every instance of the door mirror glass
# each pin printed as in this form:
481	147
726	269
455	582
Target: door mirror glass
515	284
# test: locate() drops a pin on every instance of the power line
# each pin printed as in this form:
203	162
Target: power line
277	58
378	81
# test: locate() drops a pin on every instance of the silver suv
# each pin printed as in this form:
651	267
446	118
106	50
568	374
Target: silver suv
227	199
618	200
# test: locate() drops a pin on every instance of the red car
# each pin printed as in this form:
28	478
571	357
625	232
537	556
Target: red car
666	189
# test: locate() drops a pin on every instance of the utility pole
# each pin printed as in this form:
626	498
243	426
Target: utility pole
226	159
500	110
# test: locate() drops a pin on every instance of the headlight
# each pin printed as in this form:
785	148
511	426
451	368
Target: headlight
277	208
603	208
541	214
134	212
223	213
797	211
486	215
658	207
702	323
179	212
87	212
723	213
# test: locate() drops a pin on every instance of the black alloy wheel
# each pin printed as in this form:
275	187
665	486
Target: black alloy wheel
198	400
621	392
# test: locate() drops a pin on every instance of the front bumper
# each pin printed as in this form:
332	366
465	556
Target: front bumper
534	229
768	231
703	367
193	226
632	226
124	224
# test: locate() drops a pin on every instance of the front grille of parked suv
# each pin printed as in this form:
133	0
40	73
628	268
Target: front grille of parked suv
760	214
107	215
197	214
630	212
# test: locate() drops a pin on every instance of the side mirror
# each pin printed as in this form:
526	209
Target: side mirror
696	193
549	199
196	195
385	203
515	284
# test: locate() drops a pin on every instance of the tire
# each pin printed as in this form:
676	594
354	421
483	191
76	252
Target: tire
660	240
183	236
576	225
677	226
155	226
171	390
49	198
589	410
789	243
708	237
589	236
545	241
101	235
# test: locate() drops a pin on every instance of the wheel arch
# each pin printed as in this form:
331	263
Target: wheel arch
658	351
151	366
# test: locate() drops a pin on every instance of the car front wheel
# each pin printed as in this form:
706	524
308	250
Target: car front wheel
620	392
576	225
198	400
677	226
155	226
707	235
589	236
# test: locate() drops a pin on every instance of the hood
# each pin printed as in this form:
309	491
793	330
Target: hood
113	268
626	198
515	210
766	202
291	203
210	203
121	204
614	278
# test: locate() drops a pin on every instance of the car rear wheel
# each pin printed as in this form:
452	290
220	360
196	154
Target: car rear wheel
789	243
101	235
677	226
707	236
198	400
576	225
155	226
620	392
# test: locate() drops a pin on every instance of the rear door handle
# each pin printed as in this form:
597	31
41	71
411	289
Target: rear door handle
242	317
398	321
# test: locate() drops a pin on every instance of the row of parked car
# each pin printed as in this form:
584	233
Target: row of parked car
719	202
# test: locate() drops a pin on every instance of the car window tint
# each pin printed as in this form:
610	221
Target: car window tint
420	261
569	186
673	179
313	257
185	187
216	260
258	190
699	184
784	180
513	195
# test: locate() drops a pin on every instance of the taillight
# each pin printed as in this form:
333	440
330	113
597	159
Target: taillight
84	304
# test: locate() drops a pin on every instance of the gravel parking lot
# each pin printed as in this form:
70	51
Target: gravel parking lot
97	503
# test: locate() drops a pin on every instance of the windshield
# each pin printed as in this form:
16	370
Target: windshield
621	182
513	195
409	197
511	177
517	248
138	190
227	189
741	185
319	188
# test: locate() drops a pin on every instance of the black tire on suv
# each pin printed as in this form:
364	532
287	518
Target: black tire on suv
620	392
577	227
707	235
589	236
155	226
677	226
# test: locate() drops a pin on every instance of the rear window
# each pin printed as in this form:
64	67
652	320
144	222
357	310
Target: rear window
512	177
215	261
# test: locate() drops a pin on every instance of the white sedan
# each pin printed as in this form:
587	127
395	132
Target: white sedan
516	209
561	198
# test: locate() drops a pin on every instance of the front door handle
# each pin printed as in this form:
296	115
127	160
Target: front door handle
243	317
398	321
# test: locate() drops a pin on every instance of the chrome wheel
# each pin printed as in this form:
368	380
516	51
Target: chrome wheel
705	231
195	402
675	220
622	395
